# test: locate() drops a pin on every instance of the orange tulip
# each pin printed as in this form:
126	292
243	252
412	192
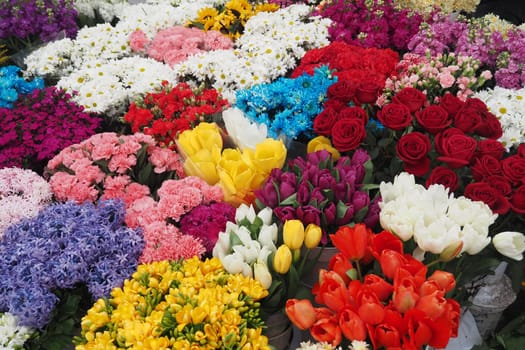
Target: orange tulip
352	325
433	305
352	241
404	296
332	292
301	313
340	264
327	330
444	279
370	309
387	336
383	241
379	286
390	262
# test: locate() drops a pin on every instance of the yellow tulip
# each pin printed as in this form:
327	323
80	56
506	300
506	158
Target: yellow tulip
269	154
203	136
322	142
235	176
312	236
203	164
282	259
293	233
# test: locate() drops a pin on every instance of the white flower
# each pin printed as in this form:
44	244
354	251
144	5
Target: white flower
437	235
234	263
245	212
262	274
266	215
398	218
12	336
268	237
359	345
511	244
222	245
473	240
244	133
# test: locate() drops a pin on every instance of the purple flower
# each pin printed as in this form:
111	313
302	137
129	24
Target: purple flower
309	214
267	194
285	213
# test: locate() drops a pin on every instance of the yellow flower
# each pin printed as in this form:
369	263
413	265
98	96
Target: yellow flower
203	164
322	143
205	14
293	233
265	7
312	236
269	154
282	259
235	176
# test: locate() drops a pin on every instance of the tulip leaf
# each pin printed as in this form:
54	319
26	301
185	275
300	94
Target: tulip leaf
293	282
369	171
291	200
352	273
234	239
329	194
360	215
341	209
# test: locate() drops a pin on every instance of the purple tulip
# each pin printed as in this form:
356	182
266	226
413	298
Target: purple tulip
285	213
316	196
372	216
326	180
360	156
330	213
347	216
309	214
303	193
267	194
288	185
319	156
360	200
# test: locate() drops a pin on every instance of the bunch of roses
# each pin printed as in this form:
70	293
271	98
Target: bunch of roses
319	190
181	305
231	17
360	72
175	44
398	307
109	165
173	109
159	218
63	246
23	193
40	125
437	141
237	172
435	76
370	23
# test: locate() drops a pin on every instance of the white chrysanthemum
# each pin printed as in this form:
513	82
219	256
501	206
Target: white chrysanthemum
508	106
107	9
12	336
53	59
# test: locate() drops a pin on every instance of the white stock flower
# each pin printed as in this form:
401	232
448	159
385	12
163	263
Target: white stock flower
244	133
510	244
12	335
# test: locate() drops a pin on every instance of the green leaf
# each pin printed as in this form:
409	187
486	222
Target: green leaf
293	282
291	200
384	142
360	215
234	239
341	209
352	273
369	171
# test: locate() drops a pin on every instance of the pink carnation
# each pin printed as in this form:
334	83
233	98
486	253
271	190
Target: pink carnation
138	41
164	159
67	187
142	212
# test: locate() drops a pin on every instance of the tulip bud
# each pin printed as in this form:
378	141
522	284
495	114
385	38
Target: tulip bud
282	259
510	244
312	236
262	274
451	251
293	234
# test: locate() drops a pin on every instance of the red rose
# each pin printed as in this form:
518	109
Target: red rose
490	126
467	120
514	170
413	149
476	104
443	176
443	136
343	90
367	92
482	191
395	116
521	150
501	184
334	104
354	113
347	134
324	122
451	103
485	166
517	200
410	97
457	150
433	119
490	147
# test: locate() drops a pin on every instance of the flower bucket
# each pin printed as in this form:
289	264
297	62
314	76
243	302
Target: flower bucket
323	256
279	330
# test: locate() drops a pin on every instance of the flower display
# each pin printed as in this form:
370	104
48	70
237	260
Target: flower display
108	165
12	84
178	304
23	193
64	245
171	110
400	305
176	44
370	23
287	106
237	172
231	17
321	191
40	125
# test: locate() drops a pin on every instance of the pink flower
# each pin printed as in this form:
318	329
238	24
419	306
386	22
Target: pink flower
215	40
164	159
446	79
135	191
142	212
121	164
138	41
67	187
114	186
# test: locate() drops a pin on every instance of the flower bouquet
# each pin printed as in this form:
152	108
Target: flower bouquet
396	302
184	304
171	110
23	193
47	259
41	124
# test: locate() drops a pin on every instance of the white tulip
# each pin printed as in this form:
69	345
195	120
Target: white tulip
245	211
437	235
473	240
511	244
264	253
244	133
249	251
266	215
222	246
262	274
268	237
398	219
234	263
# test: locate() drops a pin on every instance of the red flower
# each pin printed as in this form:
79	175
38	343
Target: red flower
411	97
352	326
347	134
352	241
434	119
385	240
340	264
395	116
413	149
443	176
300	312
327	330
482	191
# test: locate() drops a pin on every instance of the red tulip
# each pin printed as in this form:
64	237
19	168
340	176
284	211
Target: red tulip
383	241
332	292
352	241
301	313
327	330
404	296
340	264
390	262
379	286
370	308
433	305
444	279
352	325
387	336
